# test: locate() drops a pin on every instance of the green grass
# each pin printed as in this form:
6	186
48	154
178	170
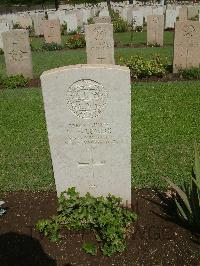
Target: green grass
52	59
165	123
24	152
139	38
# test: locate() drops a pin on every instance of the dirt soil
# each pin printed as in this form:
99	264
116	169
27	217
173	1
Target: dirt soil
155	239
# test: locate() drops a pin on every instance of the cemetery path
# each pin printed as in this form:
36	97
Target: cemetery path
154	239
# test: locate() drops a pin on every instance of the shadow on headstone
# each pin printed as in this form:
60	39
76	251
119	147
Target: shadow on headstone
18	249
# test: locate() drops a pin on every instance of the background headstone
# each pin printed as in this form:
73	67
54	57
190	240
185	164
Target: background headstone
51	30
88	114
155	30
99	43
4	26
17	53
186	45
170	18
183	13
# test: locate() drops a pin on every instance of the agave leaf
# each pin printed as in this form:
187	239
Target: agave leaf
182	213
180	192
197	165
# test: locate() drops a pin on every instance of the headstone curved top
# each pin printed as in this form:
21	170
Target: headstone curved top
88	115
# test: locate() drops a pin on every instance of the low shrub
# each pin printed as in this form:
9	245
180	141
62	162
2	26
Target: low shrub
105	216
119	25
143	68
13	82
187	198
76	41
1	51
52	46
192	73
195	18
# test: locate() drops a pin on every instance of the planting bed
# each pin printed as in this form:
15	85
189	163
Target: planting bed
155	239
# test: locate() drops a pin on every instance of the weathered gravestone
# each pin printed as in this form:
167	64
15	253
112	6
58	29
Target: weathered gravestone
186	45
99	43
37	23
155	30
102	19
51	30
137	17
4	26
88	116
193	11
170	18
183	13
71	20
17	53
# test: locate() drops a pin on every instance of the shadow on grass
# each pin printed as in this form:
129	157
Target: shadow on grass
18	249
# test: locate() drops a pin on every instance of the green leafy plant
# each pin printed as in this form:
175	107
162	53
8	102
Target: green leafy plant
105	216
191	73
63	28
187	198
12	82
76	41
1	51
90	249
52	46
143	68
2	210
119	25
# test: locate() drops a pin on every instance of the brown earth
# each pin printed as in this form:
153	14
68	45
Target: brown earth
155	239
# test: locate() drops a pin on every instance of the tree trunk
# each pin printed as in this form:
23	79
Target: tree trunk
56	4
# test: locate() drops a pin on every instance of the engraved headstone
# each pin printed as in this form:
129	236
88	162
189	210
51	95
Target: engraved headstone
51	30
137	17
71	20
99	43
186	45
170	18
155	30
183	13
17	53
37	23
88	114
193	11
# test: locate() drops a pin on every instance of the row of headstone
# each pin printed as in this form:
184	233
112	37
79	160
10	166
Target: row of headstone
100	44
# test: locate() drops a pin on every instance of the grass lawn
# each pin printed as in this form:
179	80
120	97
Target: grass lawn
51	59
45	60
165	123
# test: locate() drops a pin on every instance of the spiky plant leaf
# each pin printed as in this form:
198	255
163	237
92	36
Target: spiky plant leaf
180	192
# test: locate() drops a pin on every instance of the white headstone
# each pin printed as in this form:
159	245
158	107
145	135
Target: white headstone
99	43
137	18
88	114
170	18
71	20
3	28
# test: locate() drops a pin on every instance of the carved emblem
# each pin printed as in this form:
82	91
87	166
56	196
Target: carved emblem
188	31
86	98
